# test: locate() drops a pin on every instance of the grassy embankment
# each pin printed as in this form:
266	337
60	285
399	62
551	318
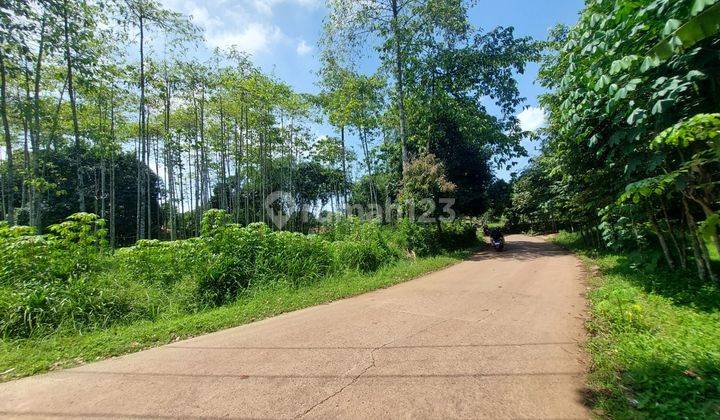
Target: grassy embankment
65	300
655	338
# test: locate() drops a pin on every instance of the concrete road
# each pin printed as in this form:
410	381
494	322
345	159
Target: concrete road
498	336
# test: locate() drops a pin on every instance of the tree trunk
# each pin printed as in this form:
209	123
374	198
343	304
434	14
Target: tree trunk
680	250
247	167
25	194
36	208
73	107
56	118
204	167
141	135
696	244
400	83
238	162
112	174
366	152
148	177
181	181
344	169
138	188
223	201
170	161
10	178
661	239
2	197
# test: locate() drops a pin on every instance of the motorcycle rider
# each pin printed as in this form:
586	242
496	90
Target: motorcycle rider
496	237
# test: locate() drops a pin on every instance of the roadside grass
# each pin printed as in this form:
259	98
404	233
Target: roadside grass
655	338
24	357
499	223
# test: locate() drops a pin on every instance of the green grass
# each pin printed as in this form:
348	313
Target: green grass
24	357
500	223
655	339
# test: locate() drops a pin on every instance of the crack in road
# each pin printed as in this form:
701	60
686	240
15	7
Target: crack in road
368	367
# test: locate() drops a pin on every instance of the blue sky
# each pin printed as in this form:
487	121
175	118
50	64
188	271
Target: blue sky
282	37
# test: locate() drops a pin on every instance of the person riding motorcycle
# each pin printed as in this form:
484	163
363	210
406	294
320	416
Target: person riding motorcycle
497	240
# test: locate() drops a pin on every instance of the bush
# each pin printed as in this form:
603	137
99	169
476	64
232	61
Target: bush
68	279
427	239
50	281
362	246
458	235
417	239
294	258
77	304
363	256
233	260
72	249
164	263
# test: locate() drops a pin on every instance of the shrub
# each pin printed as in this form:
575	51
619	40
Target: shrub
50	280
77	304
159	262
232	262
458	235
364	256
213	221
362	246
294	258
68	279
73	248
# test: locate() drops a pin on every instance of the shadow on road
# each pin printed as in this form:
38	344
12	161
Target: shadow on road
521	250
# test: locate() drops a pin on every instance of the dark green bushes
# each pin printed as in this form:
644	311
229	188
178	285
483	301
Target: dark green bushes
428	239
68	280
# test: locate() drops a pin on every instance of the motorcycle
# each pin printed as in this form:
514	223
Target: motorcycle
498	243
497	240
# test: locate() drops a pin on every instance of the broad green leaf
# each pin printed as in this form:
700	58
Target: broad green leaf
702	26
638	115
694	75
649	62
700	5
670	26
661	106
603	81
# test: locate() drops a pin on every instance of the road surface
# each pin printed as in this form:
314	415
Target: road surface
497	336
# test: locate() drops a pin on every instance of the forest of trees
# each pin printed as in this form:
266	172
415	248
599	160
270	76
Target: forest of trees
103	112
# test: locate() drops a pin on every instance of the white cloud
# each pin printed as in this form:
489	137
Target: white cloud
254	38
246	24
532	118
266	6
303	48
202	18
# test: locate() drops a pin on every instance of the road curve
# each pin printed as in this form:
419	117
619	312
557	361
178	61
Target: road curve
497	336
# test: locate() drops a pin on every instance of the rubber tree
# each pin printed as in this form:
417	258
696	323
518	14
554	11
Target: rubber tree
398	28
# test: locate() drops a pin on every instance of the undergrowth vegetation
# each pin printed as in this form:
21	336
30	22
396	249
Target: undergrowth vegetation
655	337
68	281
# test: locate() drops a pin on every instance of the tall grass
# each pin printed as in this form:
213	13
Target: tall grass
68	282
655	338
23	357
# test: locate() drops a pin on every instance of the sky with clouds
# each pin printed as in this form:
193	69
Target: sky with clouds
282	35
